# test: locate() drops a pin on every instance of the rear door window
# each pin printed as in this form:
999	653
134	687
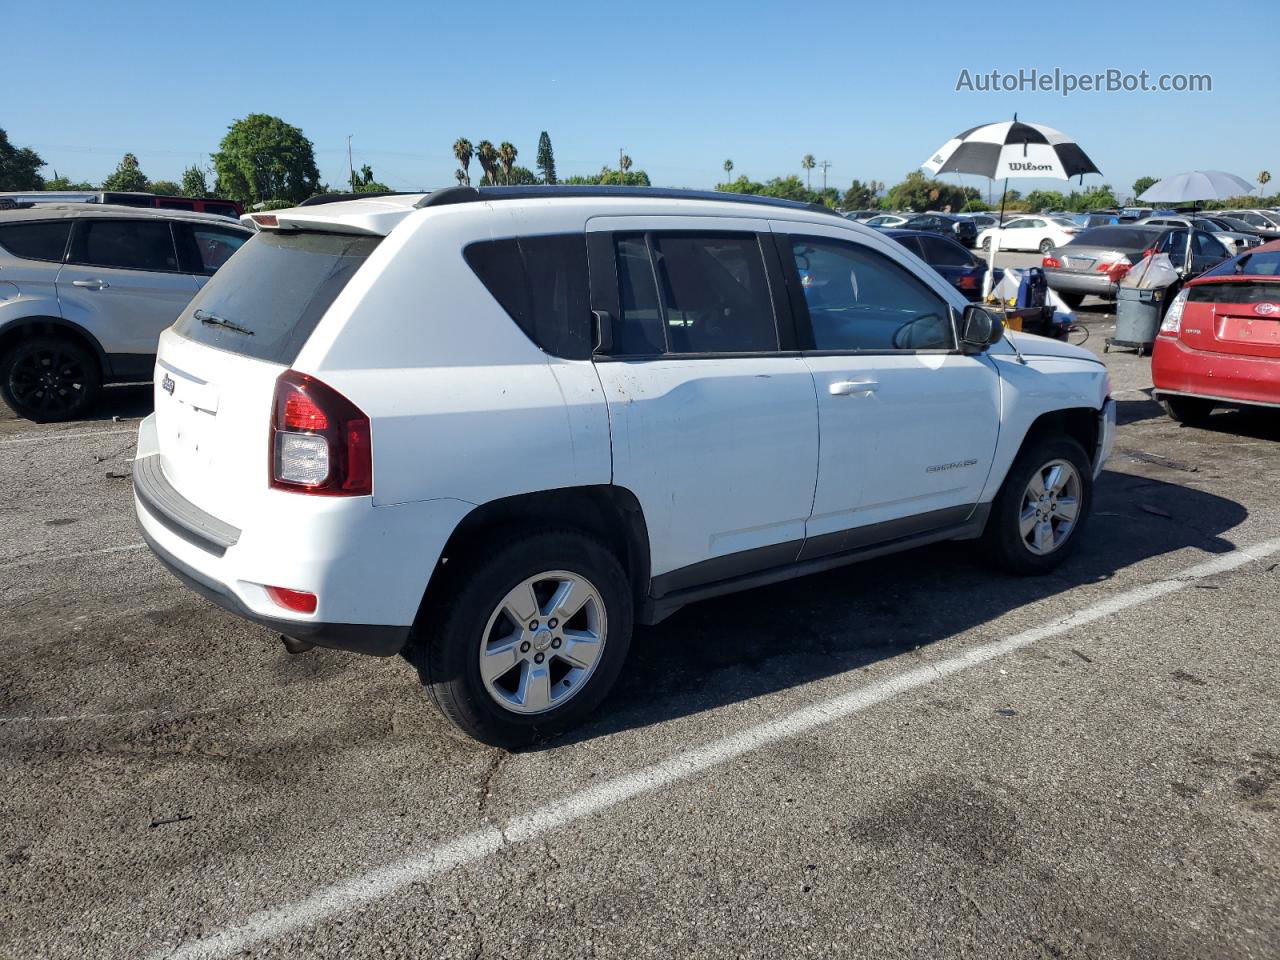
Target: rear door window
941	253
269	297
542	284
36	240
125	245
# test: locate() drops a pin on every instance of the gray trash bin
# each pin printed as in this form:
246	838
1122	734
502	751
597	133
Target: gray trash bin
1137	318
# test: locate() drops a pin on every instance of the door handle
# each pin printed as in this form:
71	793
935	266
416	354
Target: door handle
852	388
91	284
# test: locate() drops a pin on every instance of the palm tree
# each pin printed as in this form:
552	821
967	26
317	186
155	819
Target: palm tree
463	151
507	157
808	163
1263	179
728	169
624	163
488	157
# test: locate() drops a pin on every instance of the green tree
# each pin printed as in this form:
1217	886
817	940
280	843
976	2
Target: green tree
728	169
523	177
1039	200
507	159
128	176
463	150
1263	179
546	159
263	158
1142	184
628	178
57	182
362	182
195	181
859	196
166	188
19	167
624	163
807	163
1095	198
487	154
918	192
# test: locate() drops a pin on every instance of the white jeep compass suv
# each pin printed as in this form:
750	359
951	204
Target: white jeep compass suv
491	429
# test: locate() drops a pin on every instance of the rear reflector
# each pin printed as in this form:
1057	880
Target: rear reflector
265	219
299	601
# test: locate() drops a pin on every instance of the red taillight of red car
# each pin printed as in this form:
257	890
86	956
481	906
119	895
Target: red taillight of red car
320	440
298	601
1052	262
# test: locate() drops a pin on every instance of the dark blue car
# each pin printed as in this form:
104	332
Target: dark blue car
958	266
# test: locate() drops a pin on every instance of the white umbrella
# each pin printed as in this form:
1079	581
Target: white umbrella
1195	186
1011	149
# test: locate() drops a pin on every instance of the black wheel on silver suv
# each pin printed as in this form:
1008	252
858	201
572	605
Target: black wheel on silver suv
528	639
1040	510
49	378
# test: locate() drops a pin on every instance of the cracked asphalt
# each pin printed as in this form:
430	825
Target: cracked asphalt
1113	790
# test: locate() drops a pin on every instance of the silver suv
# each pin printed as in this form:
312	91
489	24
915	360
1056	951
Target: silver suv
85	290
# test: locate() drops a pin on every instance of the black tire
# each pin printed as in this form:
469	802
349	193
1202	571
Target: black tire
1072	300
986	243
1188	410
1046	246
1003	541
47	379
448	647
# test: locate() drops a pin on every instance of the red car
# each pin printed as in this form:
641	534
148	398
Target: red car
1219	344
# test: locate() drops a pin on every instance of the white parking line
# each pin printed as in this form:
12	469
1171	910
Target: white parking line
54	557
471	847
69	435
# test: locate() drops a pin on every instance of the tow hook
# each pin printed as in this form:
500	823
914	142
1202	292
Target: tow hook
294	645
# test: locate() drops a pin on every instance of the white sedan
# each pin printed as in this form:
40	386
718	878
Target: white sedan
885	220
1031	233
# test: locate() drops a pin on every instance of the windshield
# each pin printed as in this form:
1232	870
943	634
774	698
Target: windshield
268	298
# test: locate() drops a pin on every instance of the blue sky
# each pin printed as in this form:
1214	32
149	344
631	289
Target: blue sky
680	86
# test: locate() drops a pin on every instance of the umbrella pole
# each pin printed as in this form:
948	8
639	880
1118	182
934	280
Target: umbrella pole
990	281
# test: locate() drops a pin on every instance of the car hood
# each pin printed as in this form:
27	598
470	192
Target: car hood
1031	345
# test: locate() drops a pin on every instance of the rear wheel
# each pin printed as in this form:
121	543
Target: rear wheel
528	639
1188	410
1072	300
49	378
986	243
1037	517
1046	246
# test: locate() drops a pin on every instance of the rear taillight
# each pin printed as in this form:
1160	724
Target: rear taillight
320	440
1171	325
1115	270
1052	262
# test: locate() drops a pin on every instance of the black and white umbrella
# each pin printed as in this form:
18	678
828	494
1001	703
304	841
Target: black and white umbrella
1012	149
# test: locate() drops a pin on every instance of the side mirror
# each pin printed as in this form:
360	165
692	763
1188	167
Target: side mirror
979	329
602	321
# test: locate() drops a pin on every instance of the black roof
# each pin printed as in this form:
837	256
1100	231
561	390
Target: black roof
450	195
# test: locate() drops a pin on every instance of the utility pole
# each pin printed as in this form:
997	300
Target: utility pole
621	151
351	171
824	164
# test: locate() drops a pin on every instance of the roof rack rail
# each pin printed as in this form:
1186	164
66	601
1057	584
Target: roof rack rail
461	194
320	198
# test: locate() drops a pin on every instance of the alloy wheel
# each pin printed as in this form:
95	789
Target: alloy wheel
49	380
543	642
1050	507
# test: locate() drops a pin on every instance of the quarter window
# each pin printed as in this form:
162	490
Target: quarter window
127	244
214	247
37	240
691	293
858	299
542	283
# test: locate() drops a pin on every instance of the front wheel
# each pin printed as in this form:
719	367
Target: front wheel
1037	517
528	640
49	378
986	243
1046	246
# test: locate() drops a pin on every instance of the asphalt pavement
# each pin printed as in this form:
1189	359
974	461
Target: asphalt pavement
913	757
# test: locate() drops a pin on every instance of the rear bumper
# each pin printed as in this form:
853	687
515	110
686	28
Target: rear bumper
367	566
377	640
1179	370
1085	284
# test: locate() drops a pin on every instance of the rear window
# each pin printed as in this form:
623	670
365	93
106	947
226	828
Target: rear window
1263	264
1120	237
542	283
269	297
1240	292
37	240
